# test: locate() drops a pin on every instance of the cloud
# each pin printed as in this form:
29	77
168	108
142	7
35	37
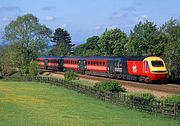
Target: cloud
10	9
119	15
138	3
50	18
178	14
5	19
142	18
48	8
64	26
123	13
112	27
98	28
132	9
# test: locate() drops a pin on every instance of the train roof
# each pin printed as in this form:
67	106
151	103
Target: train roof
140	58
55	57
118	58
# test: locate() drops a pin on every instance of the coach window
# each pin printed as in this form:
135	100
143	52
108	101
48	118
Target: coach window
103	63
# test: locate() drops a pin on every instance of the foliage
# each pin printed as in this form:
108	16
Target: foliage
33	69
62	43
112	42
174	99
30	70
171	30
90	48
70	75
142	97
28	36
7	63
110	86
145	39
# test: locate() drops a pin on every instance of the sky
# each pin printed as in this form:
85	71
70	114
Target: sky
86	18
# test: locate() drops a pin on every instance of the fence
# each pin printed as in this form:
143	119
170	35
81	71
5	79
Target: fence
155	106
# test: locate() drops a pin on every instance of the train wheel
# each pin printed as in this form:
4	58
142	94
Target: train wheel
146	79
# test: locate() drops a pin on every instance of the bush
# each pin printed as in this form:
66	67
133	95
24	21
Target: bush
70	75
30	69
174	99
142	97
110	86
33	69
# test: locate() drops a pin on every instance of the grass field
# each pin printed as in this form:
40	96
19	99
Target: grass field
36	104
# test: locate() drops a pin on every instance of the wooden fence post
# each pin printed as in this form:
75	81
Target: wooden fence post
175	110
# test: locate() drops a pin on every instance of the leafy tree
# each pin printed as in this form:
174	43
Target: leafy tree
27	39
112	42
145	39
27	36
90	48
171	30
62	43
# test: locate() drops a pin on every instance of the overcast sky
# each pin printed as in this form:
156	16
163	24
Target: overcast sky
86	18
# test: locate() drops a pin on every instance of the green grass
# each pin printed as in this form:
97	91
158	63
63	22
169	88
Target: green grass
82	82
36	104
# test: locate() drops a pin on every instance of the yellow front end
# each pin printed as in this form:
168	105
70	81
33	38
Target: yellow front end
157	68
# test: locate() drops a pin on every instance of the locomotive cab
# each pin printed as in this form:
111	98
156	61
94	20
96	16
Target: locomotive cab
157	68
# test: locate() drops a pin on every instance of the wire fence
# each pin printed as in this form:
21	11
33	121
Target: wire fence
155	106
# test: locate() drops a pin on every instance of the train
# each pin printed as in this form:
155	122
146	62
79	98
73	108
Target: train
133	68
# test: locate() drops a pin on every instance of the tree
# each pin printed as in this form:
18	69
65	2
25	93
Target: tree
27	39
28	36
112	42
62	43
145	39
171	30
90	48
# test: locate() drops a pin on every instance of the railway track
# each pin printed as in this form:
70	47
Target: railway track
168	89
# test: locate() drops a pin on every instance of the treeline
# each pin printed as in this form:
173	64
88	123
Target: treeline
26	39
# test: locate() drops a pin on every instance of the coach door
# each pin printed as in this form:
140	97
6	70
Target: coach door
60	64
110	66
46	63
145	64
81	65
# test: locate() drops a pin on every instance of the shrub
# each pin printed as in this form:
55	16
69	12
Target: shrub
70	75
33	69
145	98
174	99
110	86
30	69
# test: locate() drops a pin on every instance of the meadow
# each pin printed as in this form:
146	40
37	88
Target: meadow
39	104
